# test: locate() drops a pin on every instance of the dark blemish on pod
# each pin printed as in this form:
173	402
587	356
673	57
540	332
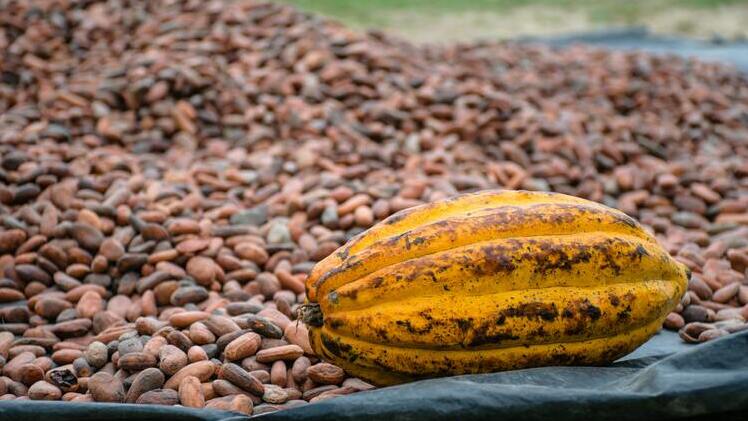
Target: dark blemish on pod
625	314
543	311
481	338
332	346
426	314
592	312
465	324
343	253
396	217
336	324
640	252
614	300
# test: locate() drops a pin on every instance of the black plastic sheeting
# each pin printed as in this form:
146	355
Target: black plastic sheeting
664	379
709	381
638	38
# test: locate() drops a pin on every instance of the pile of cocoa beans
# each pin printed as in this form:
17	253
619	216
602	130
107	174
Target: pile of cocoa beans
170	172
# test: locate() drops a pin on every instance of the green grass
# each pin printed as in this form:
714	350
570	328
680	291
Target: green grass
375	13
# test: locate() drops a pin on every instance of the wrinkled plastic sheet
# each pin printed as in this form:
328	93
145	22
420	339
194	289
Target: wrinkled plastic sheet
663	379
734	53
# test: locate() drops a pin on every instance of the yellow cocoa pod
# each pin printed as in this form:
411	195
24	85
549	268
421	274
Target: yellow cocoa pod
490	281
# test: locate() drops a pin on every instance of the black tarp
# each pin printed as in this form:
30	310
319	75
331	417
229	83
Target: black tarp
734	52
664	379
708	380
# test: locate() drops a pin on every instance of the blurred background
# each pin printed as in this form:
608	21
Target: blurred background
435	21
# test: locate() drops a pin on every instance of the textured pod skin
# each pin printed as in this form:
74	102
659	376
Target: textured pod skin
490	281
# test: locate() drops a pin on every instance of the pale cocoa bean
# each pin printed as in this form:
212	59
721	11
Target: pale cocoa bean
66	356
236	403
298	334
278	318
243	346
333	394
6	340
196	353
187	318
314	392
89	304
136	361
203	370
278	374
96	354
200	334
42	390
172	359
154	345
325	373
202	269
726	293
710	334
674	321
275	394
220	325
356	383
287	352
106	388
191	393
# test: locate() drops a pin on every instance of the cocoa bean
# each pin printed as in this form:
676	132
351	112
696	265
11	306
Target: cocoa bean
324	373
43	391
190	393
287	352
159	397
147	380
243	346
236	403
241	378
106	388
203	370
